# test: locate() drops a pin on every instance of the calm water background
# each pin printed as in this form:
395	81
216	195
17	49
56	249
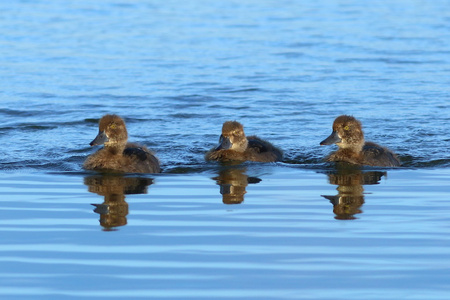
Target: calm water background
176	70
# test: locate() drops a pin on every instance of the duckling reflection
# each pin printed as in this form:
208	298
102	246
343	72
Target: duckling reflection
114	209
233	183
350	189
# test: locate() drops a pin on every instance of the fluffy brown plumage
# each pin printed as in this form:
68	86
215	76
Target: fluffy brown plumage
235	146
348	135
117	154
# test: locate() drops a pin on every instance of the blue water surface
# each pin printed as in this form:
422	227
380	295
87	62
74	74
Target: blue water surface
175	71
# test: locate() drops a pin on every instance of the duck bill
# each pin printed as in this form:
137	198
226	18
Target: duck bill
224	143
332	139
100	139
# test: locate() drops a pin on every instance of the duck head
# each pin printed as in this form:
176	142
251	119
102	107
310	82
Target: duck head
347	133
232	137
111	132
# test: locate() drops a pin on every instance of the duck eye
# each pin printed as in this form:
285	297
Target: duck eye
113	126
346	127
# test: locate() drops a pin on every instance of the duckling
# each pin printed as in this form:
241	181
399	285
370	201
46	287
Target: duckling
348	135
117	154
235	146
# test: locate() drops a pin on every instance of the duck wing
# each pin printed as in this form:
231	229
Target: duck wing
257	145
375	155
137	152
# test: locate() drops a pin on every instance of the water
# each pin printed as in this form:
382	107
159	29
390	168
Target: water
300	229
